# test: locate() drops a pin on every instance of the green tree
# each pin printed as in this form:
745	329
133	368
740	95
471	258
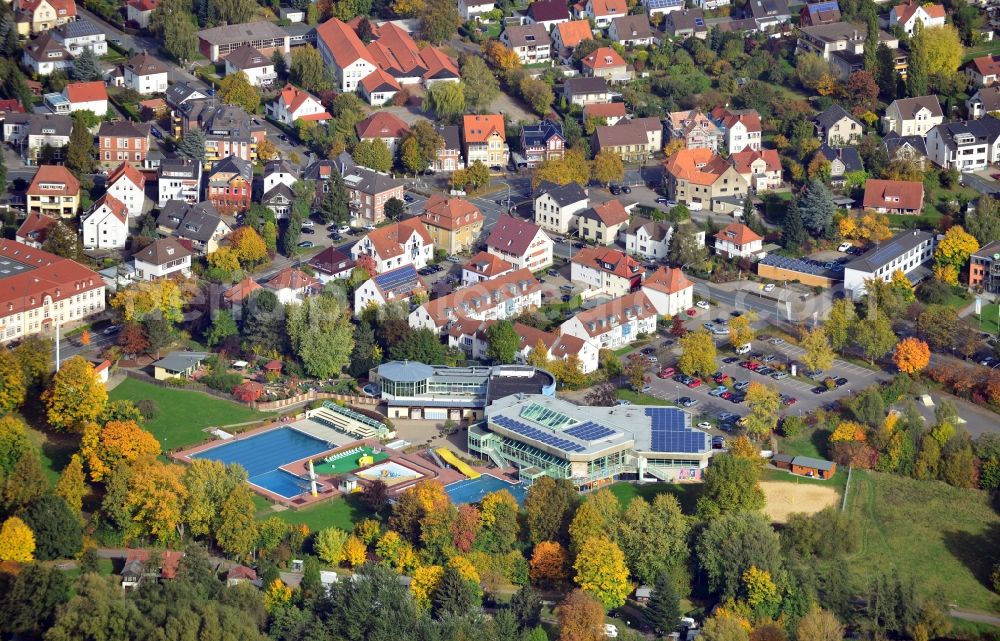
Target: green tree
983	222
481	86
237	529
14	443
817	208
446	99
455	596
236	89
62	240
440	21
653	537
329	544
29	599
321	335
421	345
420	146
85	66
874	336
730	544
374	154
870	59
537	93
58	531
72	484
335	205
886	76
818	355
25	484
308	70
192	144
548	507
664	609
685	249
732	484
180	37
233	11
223	326
80	153
364	356
97	604
502	342
839	323
208	484
280	64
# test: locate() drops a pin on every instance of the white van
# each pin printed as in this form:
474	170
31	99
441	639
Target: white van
743	349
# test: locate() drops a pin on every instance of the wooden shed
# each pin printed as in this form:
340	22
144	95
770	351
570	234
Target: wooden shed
813	467
782	461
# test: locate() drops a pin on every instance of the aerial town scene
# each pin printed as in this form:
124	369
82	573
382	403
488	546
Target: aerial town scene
500	320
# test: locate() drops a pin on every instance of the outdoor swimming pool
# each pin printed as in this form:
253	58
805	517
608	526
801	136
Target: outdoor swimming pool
262	454
473	490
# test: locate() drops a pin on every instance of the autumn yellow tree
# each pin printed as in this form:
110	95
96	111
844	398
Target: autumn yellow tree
72	485
827	85
953	253
581	617
674	146
237	530
74	397
697	353
424	583
13	385
155	499
104	448
741	332
608	167
572	167
500	57
17	541
761	593
539	355
764	403
869	227
848	431
941	48
601	570
911	355
355	552
277	595
548	564
818	355
224	259
249	247
161	296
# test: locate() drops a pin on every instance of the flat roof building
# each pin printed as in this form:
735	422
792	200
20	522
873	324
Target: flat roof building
591	446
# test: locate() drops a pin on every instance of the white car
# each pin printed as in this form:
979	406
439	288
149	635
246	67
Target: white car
611	630
705	425
844	247
769	287
702	304
308	223
343	229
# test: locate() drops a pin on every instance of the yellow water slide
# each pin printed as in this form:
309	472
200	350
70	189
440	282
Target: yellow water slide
452	460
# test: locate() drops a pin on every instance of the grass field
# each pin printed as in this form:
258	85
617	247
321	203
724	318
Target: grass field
686	493
809	442
639	398
348	463
987	321
986	49
183	414
55	450
947	539
341	512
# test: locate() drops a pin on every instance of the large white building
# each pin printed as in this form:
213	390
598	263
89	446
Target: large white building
105	224
616	323
128	185
558	207
520	243
607	270
497	299
162	258
967	145
669	290
906	252
404	243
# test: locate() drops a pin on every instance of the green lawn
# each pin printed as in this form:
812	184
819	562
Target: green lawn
638	398
183	414
55	450
988	320
838	481
341	512
946	538
809	442
932	214
686	493
986	49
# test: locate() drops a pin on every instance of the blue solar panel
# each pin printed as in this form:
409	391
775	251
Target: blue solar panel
662	4
669	432
399	280
589	431
538	435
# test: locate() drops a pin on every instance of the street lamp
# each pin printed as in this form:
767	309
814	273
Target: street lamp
507	185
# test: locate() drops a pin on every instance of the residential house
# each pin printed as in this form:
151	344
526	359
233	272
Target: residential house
178	179
910	147
909	13
547	13
53	191
395	286
912	116
485	139
760	169
698	178
293	15
44	56
614	324
240	574
568	35
235	296
710	5
541	142
966	146
53	292
379	88
135	569
292	285
294	104
449	156
383	126
474	9
78	35
320	172
228	129
177	95
484	266
368	191
627	140
985	100
278	172
35	229
403	243
279	200
38	16
332	264
121	141
741	128
105	224
894	196
557	207
47	131
605	62
87	96
632	31
501	298
768	13
469	335
138	12
520	243
906	252
163	258
601	223
736	240
453	223
984	268
128	186
843	160
259	69
819	13
267	37
230	185
695	129
648	238
145	74
602	11
665	7
842	44
531	42
15	128
984	71
669	291
586	91
837	128
686	23
609	271
611	113
653	128
200	225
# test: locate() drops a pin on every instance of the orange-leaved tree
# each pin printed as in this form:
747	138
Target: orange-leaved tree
581	617
104	448
849	431
548	564
911	355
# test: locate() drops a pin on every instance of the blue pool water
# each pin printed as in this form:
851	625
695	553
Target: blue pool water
264	453
473	490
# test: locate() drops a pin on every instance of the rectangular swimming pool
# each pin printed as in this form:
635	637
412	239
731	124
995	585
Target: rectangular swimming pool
261	455
473	490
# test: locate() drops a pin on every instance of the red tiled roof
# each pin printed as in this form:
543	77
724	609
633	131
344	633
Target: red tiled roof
86	91
512	235
482	296
54	174
37	224
749	117
437	63
479	128
605	110
115	206
906	9
293	97
668	280
144	5
893	194
388	241
603	58
574	32
11	106
607	260
489	265
449	213
986	65
742	160
378	79
241	290
62	7
700	166
381	124
128	171
345	46
242	571
738	234
610	213
51	275
615	312
609	7
170	560
293	278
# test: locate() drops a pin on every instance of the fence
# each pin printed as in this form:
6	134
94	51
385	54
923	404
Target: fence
272	406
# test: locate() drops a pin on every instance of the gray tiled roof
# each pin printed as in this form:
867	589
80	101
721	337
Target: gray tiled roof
78	29
883	254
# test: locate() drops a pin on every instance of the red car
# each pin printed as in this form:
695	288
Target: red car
726	395
666	372
695	383
721	378
753	366
692	311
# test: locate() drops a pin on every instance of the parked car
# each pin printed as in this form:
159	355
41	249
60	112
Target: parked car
819	389
769	287
776	341
741	385
687	401
718	443
779	376
840	382
844	247
719	391
693	383
308	223
626	189
343	229
112	329
615	189
729	360
702	304
308	230
306	244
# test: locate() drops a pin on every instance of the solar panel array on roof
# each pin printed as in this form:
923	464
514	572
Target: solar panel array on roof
824	6
400	280
882	256
802	265
669	432
538	435
663	4
590	431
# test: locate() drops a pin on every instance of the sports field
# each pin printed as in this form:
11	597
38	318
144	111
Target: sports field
789	497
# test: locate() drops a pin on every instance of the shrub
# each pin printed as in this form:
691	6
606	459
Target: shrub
224	382
791	426
148	408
